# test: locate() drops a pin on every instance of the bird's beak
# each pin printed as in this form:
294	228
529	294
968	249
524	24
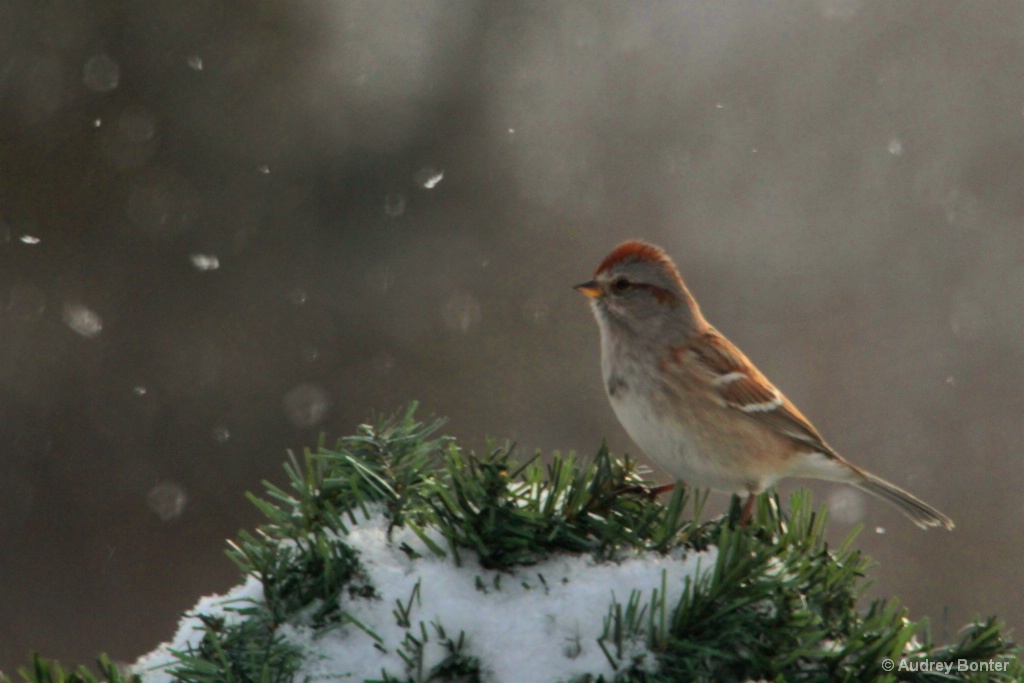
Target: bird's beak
591	289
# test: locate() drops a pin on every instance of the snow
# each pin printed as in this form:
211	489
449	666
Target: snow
153	667
82	320
520	626
204	261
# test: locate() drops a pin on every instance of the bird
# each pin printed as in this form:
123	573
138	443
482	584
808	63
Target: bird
695	404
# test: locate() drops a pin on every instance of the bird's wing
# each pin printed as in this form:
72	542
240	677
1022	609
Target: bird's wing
737	384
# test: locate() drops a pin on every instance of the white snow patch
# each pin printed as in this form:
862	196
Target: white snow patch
521	628
154	667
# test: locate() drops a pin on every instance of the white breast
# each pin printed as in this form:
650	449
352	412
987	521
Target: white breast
674	436
677	441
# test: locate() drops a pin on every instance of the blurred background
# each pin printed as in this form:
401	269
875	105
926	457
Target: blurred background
226	227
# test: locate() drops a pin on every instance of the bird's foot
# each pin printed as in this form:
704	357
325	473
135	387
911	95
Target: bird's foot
647	491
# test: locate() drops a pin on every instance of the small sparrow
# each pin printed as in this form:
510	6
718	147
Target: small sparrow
695	404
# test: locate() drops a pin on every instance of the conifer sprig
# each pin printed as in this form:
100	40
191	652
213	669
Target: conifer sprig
778	603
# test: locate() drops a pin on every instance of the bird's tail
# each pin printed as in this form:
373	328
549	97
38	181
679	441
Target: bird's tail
919	512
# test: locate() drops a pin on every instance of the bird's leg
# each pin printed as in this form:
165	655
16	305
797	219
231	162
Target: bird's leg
651	493
658	490
748	510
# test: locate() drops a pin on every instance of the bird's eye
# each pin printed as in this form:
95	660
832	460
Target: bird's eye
621	285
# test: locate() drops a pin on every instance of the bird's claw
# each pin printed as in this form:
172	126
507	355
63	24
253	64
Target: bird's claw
647	491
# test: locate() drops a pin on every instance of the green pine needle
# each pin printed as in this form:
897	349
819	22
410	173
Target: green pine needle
778	604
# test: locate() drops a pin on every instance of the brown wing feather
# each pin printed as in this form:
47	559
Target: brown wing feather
741	386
